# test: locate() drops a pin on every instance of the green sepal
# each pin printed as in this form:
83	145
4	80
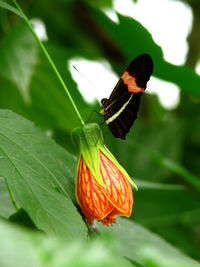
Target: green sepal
109	155
89	140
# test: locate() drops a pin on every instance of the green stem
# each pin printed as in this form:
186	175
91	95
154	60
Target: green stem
12	196
50	61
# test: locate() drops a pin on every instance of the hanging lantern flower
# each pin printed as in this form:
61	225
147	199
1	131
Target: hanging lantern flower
102	185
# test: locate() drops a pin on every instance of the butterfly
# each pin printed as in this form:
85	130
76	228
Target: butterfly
120	109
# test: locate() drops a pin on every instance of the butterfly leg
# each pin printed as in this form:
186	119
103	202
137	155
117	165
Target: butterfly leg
94	111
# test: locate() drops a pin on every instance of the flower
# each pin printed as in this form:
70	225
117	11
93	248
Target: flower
102	185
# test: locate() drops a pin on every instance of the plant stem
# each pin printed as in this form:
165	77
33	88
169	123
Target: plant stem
50	61
12	196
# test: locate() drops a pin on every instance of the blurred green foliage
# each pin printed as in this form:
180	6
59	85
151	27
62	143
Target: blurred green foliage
161	151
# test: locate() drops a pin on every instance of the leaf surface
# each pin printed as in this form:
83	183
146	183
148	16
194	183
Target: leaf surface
40	174
146	248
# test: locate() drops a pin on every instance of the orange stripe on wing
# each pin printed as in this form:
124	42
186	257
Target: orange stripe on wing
131	83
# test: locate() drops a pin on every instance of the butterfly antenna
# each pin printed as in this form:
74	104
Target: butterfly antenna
93	86
83	76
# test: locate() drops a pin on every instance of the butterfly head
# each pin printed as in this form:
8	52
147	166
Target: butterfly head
103	101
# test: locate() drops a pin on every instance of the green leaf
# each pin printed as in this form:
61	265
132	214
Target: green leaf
22	218
19	58
41	176
146	248
6	206
169	164
172	207
48	103
101	3
182	237
10	97
174	167
12	9
25	248
17	247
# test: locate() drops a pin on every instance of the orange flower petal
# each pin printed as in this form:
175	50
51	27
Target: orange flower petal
110	218
93	203
118	190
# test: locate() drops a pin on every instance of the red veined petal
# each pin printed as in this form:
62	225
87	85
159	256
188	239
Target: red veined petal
118	190
93	203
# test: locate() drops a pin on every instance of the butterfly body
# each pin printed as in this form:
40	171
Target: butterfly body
120	109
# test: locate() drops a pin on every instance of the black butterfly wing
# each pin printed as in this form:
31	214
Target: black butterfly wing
124	121
120	110
141	68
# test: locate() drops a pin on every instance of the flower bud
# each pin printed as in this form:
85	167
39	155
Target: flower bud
102	185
